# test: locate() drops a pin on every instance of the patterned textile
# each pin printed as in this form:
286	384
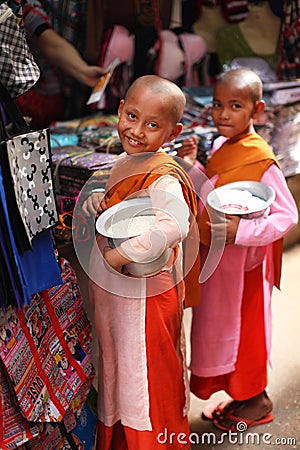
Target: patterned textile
28	154
43	399
289	65
53	336
16	6
14	428
75	165
64	436
30	167
19	71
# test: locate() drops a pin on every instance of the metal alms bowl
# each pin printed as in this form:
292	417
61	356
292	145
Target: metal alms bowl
149	268
128	209
256	188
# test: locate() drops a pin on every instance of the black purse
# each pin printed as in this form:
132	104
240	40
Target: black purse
26	166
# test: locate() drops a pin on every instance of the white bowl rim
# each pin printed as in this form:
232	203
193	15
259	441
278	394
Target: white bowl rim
127	203
242	185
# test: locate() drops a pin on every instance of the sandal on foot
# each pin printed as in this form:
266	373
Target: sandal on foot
217	410
240	423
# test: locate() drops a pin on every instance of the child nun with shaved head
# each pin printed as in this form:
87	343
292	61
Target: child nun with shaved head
142	378
231	326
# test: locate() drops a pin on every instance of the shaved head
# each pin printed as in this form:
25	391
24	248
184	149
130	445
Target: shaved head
243	79
168	91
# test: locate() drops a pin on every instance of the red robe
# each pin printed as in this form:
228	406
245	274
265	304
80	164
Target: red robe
163	328
245	159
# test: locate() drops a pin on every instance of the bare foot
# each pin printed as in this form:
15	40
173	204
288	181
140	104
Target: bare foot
217	410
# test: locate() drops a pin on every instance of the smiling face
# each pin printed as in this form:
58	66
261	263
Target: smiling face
147	119
235	104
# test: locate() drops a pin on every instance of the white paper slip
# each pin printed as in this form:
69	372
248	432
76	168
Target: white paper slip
102	83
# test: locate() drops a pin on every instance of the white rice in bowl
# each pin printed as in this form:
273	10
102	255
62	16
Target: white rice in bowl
131	226
234	201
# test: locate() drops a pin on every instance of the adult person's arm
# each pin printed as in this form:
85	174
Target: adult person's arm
62	54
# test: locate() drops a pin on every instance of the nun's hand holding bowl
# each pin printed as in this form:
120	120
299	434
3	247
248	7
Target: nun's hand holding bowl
94	205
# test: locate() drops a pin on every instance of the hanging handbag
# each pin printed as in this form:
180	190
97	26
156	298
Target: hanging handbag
74	432
14	428
19	71
77	431
29	162
46	351
46	373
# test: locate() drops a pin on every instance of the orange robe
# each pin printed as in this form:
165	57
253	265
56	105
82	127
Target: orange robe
166	390
163	333
141	171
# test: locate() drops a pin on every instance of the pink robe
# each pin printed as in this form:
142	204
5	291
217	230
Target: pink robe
217	320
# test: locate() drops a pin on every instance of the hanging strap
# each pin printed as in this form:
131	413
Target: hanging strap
13	115
68	436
